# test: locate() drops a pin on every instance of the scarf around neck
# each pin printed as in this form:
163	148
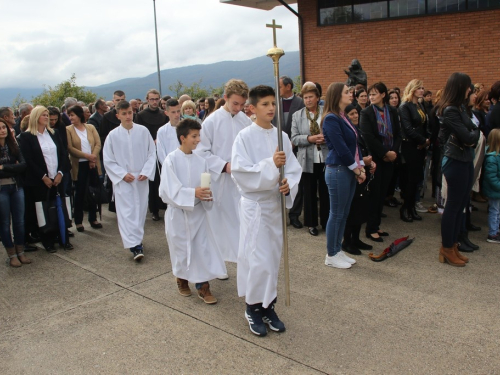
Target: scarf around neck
384	126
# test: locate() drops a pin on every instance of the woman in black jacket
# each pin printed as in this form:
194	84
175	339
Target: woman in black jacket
12	166
45	159
381	131
415	140
459	136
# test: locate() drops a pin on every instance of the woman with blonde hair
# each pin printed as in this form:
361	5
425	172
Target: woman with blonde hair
188	110
45	160
415	134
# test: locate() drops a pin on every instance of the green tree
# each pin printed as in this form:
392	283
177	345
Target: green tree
177	89
195	91
297	85
55	95
17	101
217	90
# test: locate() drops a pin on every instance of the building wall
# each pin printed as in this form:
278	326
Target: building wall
427	47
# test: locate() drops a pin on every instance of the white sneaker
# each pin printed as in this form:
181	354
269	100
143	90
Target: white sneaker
419	207
347	258
336	261
223	277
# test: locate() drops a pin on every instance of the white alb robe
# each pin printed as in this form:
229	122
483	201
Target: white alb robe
191	244
130	151
218	133
166	141
261	233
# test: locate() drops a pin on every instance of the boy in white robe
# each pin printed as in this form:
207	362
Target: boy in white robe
166	138
193	254
217	137
255	169
130	159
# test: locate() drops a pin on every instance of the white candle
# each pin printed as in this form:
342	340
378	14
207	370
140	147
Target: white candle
205	180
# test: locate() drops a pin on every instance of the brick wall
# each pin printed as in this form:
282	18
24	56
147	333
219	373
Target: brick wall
429	48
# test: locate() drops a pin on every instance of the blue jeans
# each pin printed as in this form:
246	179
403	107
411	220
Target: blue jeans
341	184
493	216
11	203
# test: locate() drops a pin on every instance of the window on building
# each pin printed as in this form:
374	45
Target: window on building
334	12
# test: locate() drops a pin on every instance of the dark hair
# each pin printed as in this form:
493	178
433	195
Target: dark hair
382	89
397	93
171	103
119	93
77	110
4	111
258	92
397	89
185	127
495	91
287	81
332	100
357	93
427	92
166	97
211	107
320	89
54	111
99	104
454	92
220	103
359	86
201	100
10	141
122	104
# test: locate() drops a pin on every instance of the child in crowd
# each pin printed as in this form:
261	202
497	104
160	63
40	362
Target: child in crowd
193	253
130	160
491	184
255	167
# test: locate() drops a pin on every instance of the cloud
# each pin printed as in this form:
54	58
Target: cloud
106	41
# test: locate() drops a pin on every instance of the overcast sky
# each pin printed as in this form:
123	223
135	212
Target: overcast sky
45	41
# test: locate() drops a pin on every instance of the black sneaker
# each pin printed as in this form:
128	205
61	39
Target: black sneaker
253	314
270	317
137	252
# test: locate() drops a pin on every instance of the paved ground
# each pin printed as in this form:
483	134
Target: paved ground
94	311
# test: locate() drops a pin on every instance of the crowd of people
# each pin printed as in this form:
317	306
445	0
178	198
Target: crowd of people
345	155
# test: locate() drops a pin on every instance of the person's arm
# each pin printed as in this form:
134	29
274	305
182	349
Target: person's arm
467	133
149	168
75	152
97	142
171	190
299	139
405	115
332	128
34	168
216	164
491	172
12	170
369	129
493	118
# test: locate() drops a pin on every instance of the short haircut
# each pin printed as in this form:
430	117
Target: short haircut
188	103
77	110
427	92
259	92
172	102
308	88
495	91
166	97
24	107
99	104
185	127
122	104
4	111
70	101
382	89
118	93
152	91
236	87
287	81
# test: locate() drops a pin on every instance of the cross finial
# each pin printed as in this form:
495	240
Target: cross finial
274	27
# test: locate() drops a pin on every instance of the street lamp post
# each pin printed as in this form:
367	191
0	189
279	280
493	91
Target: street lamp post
157	51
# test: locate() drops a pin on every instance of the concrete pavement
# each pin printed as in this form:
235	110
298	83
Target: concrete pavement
94	310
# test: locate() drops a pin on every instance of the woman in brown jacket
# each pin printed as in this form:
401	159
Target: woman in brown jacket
84	145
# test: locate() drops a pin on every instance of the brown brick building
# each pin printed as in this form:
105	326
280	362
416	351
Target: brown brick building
399	40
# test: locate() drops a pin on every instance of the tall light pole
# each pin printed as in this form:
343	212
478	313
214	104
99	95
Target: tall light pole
157	51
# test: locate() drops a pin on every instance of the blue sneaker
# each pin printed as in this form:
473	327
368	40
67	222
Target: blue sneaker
137	252
253	314
270	317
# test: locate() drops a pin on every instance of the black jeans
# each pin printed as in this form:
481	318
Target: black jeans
314	184
80	190
459	176
378	189
154	195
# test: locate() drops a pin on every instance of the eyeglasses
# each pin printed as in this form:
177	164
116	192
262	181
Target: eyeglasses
153	99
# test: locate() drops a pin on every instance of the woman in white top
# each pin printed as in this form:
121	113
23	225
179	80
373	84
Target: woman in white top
84	146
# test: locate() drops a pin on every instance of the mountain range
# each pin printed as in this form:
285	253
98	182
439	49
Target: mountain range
254	71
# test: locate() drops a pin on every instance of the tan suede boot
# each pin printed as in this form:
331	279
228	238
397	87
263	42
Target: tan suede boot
183	287
205	294
13	261
447	254
20	254
457	253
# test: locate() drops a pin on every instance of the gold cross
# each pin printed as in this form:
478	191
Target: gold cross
274	27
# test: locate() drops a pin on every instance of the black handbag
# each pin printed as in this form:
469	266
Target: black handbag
46	213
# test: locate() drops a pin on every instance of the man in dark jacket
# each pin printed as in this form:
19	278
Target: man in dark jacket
100	109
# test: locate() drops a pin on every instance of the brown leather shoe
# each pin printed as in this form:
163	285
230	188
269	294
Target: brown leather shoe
205	294
183	286
20	255
447	254
457	253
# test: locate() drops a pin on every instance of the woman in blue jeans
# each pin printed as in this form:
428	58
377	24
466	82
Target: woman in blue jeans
12	166
459	136
344	167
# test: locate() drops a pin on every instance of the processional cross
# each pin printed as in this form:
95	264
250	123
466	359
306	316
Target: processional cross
274	27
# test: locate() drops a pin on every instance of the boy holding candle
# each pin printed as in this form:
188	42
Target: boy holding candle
191	244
